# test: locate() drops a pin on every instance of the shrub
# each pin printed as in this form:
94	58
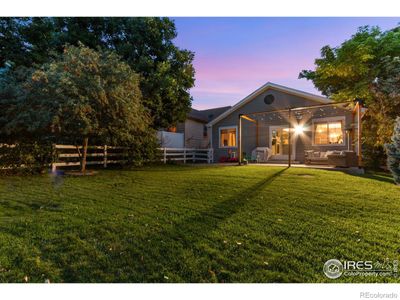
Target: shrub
393	153
25	157
225	159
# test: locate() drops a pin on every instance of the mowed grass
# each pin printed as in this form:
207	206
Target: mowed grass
195	224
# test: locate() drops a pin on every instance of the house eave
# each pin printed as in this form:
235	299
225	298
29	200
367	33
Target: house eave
265	87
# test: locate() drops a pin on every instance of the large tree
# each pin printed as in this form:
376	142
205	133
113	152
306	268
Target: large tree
366	66
81	96
146	44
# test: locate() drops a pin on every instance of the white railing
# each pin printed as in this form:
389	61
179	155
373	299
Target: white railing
69	155
187	155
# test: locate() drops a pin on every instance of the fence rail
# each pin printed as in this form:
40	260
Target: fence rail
187	155
69	155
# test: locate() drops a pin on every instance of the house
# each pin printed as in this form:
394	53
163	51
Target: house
194	131
316	126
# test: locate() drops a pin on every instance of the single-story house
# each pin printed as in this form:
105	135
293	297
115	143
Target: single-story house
315	126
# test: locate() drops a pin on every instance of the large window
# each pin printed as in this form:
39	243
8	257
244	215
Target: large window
328	133
227	137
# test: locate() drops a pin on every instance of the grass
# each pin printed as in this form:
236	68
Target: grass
195	224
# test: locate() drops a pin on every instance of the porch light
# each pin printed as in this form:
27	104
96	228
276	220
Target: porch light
298	129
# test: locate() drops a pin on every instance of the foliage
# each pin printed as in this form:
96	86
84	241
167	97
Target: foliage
146	44
393	153
25	157
225	159
195	224
347	72
82	94
366	66
382	112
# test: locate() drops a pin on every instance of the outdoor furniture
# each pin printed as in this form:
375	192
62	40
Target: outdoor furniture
344	159
315	157
334	158
261	154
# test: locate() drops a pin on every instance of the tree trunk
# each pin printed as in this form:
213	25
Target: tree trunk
85	146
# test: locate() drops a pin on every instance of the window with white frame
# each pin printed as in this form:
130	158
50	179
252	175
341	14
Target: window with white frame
328	132
228	137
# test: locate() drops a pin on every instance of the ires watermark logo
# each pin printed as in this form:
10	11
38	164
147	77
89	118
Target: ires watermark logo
335	268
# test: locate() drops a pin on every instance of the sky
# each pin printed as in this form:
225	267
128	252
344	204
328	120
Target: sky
235	56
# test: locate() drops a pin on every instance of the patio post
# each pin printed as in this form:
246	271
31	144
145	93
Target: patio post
240	140
256	133
290	142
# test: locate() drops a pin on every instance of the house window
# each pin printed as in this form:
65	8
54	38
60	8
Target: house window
205	131
328	133
227	137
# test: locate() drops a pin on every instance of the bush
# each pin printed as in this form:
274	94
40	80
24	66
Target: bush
25	157
225	159
393	153
374	157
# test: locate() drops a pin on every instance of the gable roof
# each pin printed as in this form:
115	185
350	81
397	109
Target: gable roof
265	87
196	115
207	115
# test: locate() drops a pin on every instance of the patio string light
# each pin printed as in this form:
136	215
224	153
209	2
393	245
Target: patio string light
301	124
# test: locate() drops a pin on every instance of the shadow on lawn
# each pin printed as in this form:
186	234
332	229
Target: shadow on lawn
176	247
378	176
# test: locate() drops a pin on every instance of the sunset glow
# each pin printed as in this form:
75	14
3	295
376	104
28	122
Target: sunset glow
235	56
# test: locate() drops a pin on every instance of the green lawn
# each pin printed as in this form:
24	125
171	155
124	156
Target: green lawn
195	224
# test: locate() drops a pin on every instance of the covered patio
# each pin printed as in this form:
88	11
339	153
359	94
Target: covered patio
320	136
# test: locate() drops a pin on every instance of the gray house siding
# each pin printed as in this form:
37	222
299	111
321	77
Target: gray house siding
282	101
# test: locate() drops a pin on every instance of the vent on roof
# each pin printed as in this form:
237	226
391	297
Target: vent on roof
269	99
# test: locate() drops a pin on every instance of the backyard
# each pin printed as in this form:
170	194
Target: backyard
195	224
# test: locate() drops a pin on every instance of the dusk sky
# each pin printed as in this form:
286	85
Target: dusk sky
235	56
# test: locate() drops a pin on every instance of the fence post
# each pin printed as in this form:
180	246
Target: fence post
105	156
184	155
53	159
165	155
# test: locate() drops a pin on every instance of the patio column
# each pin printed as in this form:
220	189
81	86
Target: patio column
240	140
257	133
290	140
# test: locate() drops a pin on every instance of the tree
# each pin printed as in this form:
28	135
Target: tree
82	95
146	44
393	153
367	67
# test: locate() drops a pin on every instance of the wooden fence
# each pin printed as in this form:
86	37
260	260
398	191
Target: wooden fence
69	155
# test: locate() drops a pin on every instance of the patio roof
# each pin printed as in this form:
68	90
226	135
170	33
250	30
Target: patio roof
355	106
274	86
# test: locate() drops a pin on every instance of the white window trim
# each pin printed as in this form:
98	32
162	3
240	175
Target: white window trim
329	120
219	137
293	142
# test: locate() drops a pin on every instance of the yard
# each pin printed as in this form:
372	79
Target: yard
195	224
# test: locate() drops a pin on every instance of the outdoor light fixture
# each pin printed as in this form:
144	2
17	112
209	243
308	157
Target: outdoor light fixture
298	129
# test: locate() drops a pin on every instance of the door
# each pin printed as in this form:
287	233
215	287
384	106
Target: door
279	142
